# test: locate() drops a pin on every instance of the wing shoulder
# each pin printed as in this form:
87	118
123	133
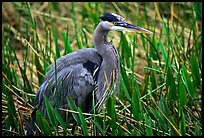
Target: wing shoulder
77	57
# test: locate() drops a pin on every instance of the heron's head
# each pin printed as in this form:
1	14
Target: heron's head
112	21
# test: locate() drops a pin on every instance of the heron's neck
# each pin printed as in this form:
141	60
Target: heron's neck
99	38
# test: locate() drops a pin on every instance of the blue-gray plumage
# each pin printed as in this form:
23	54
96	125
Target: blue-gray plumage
86	70
75	78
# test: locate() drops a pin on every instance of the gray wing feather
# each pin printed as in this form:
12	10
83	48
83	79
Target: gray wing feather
79	56
72	79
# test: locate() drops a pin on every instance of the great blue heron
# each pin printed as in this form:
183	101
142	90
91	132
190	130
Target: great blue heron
86	70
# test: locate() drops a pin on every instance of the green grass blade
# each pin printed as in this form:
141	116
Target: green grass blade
50	113
57	51
124	87
29	12
110	105
40	69
182	94
197	131
54	116
74	108
42	122
170	85
59	118
27	85
164	53
187	82
126	50
83	122
198	10
183	124
148	130
153	81
79	43
195	71
67	46
55	6
136	105
99	128
11	110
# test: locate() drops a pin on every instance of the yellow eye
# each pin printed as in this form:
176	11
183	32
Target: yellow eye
115	23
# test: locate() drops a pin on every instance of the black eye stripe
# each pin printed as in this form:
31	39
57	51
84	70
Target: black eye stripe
121	23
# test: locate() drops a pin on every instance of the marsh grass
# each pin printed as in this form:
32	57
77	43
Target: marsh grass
160	80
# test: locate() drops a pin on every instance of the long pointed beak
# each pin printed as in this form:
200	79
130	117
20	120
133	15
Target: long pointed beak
134	28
